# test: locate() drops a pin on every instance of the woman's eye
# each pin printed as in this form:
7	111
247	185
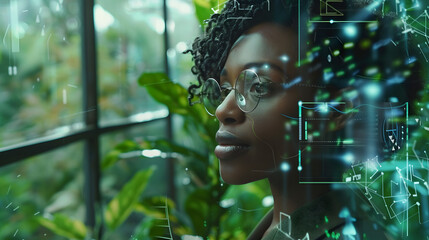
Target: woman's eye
260	89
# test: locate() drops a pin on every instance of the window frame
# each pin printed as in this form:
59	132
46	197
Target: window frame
92	131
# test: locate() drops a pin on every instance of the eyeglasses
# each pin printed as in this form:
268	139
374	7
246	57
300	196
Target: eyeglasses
248	91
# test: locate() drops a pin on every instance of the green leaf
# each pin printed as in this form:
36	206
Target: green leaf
125	202
151	228
173	95
142	231
167	146
197	163
205	8
64	226
260	189
165	91
113	156
197	208
202	10
156	207
203	209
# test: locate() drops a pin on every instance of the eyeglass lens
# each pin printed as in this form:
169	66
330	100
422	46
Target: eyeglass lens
212	95
245	95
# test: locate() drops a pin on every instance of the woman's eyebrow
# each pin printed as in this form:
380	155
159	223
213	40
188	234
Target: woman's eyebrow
262	65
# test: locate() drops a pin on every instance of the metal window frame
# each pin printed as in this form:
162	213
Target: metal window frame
92	132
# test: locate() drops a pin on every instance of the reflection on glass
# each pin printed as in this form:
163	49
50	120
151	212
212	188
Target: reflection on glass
40	74
130	42
183	27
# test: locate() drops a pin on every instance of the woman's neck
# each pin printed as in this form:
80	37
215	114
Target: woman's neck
289	195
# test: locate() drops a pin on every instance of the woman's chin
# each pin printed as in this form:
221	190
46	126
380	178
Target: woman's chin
238	176
233	180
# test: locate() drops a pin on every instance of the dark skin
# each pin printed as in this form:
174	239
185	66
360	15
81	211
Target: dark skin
264	129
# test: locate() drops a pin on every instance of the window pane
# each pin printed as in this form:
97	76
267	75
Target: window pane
183	28
130	42
116	176
40	73
40	188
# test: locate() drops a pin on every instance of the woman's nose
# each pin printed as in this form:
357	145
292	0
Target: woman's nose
228	111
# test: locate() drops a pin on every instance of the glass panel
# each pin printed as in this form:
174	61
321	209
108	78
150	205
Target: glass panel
183	28
40	73
130	42
117	175
38	189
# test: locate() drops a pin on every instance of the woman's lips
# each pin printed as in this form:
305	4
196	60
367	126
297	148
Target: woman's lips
229	146
230	151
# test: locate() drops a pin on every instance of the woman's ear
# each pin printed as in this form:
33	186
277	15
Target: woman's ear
349	99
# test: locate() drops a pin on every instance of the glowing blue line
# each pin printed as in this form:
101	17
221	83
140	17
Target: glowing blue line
365	105
356	107
292	83
289	116
309	108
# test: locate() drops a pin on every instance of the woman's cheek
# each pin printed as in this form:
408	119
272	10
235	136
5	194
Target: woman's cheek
269	117
269	132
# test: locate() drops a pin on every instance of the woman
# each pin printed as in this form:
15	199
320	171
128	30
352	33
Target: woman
252	77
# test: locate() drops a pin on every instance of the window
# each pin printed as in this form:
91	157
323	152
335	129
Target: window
41	84
69	93
130	41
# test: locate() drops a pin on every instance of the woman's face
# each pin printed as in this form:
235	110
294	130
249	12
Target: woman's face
254	145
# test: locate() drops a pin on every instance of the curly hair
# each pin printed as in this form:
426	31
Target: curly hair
210	51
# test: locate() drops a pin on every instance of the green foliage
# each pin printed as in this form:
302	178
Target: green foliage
175	97
201	207
197	207
167	146
64	226
45	184
158	84
205	8
125	202
151	207
113	155
156	209
236	224
117	211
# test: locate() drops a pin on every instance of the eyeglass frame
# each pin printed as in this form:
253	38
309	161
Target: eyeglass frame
283	86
